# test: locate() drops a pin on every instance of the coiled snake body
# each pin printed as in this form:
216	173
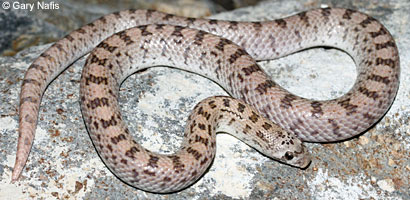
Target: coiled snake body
199	46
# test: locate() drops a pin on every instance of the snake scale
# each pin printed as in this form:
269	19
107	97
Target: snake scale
138	39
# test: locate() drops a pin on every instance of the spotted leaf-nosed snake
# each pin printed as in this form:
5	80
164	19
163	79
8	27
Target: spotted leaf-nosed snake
139	39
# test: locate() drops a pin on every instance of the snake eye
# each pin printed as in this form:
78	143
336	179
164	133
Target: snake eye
288	155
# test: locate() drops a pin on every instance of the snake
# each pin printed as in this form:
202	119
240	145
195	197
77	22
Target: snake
258	111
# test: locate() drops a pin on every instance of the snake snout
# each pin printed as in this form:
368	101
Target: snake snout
304	158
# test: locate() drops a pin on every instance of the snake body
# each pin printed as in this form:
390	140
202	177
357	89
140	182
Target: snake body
199	46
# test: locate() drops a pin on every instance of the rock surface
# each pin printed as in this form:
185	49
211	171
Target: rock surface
31	26
63	163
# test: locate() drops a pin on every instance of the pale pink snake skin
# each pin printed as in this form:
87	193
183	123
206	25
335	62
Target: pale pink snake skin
201	51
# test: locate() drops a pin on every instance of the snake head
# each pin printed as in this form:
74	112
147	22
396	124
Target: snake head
298	157
289	149
284	147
